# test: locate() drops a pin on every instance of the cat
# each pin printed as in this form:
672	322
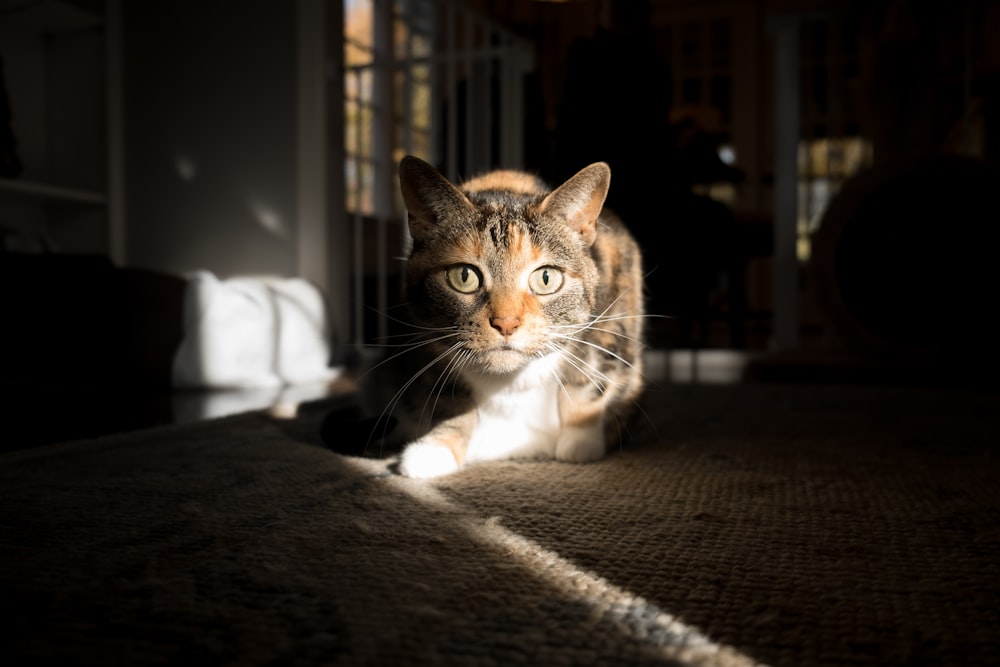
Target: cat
528	307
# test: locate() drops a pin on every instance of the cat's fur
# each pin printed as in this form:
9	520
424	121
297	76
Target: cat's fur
500	368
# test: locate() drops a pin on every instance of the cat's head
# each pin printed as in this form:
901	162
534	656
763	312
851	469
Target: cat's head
501	267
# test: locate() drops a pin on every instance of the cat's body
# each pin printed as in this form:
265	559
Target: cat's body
527	305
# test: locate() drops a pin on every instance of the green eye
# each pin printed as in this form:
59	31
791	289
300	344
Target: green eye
546	280
463	278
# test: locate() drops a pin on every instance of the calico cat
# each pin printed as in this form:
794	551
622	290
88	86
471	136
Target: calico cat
528	303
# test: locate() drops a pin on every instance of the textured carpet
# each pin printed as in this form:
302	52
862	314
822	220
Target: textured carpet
776	523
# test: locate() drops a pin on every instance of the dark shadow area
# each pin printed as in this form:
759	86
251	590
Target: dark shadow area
86	347
911	258
616	106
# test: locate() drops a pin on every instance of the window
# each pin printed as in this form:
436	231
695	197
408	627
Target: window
831	149
387	96
410	67
824	165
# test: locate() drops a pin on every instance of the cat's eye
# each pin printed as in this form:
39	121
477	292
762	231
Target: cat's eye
464	278
546	280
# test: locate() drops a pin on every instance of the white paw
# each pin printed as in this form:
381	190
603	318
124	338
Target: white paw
423	460
580	445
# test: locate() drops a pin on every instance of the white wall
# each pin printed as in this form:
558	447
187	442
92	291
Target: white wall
209	96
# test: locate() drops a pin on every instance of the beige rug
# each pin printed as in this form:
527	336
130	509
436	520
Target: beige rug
775	523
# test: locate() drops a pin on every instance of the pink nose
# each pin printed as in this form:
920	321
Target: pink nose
506	325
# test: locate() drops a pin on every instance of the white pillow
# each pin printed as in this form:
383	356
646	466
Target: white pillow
252	332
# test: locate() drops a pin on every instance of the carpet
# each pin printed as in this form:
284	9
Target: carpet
773	523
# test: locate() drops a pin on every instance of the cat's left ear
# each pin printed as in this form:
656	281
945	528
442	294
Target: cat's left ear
429	197
578	201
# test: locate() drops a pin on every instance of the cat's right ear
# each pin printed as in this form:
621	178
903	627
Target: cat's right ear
428	196
578	202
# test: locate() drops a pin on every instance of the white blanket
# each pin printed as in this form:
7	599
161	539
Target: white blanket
252	332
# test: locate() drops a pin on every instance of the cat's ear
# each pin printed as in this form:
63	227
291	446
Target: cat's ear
429	196
578	201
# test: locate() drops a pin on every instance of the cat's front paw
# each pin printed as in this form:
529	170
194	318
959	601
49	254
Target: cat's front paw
580	445
426	459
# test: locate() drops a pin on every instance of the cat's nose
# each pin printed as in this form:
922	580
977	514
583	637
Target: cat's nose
506	325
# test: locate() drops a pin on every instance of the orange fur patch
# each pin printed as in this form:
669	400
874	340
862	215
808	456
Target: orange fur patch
588	414
512	181
610	250
530	305
466	249
456	441
516	241
506	305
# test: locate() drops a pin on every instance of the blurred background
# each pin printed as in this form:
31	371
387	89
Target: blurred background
812	181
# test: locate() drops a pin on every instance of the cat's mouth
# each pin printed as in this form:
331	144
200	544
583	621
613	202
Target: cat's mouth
503	358
506	350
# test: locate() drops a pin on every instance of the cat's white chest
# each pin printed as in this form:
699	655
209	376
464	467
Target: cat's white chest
517	417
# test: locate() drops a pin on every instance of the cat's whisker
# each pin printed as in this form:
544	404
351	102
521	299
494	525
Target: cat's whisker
430	364
555	371
603	315
394	401
414	341
409	348
423	328
594	375
617	317
421	331
613	302
617	334
579	327
407	323
443	379
624	316
600	348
